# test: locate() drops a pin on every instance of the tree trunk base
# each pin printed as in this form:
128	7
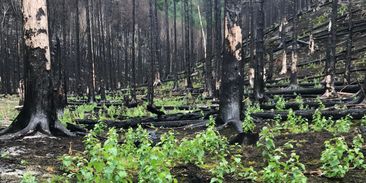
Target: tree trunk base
37	123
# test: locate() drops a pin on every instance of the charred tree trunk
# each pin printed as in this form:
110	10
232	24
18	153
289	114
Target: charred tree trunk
330	74
78	61
152	53
39	112
133	52
187	48
91	82
252	45
229	95
294	56
349	44
218	45
168	68
259	66
208	72
175	64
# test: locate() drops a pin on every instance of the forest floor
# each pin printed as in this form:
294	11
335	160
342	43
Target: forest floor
40	156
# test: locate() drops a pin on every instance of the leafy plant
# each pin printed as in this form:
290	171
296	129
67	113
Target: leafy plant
280	171
355	155
280	103
266	142
319	121
248	123
333	158
338	158
341	126
296	124
28	178
300	101
111	161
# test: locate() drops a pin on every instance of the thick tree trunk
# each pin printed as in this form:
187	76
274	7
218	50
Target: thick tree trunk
229	95
39	112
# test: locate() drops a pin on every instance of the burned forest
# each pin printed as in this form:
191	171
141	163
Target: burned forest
182	91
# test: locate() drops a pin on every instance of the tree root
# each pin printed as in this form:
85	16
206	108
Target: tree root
34	127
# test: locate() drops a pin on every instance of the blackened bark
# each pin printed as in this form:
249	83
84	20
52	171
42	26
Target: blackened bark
330	88
229	95
78	61
208	72
133	78
259	66
349	44
152	53
39	111
187	48
175	64
91	73
294	57
218	45
158	63
168	68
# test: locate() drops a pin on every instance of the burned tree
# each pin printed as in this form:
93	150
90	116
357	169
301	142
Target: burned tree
208	71
39	111
330	70
175	52
133	52
294	56
259	66
229	95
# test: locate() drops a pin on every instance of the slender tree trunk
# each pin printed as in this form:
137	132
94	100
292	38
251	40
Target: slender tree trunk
252	45
330	89
91	74
168	68
218	45
175	64
187	48
349	44
208	72
152	55
259	67
133	78
78	60
229	95
294	57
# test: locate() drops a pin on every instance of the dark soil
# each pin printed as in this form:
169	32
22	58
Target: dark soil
38	155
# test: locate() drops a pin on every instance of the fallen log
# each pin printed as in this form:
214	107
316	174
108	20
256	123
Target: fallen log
135	123
186	107
304	85
355	113
348	88
358	98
